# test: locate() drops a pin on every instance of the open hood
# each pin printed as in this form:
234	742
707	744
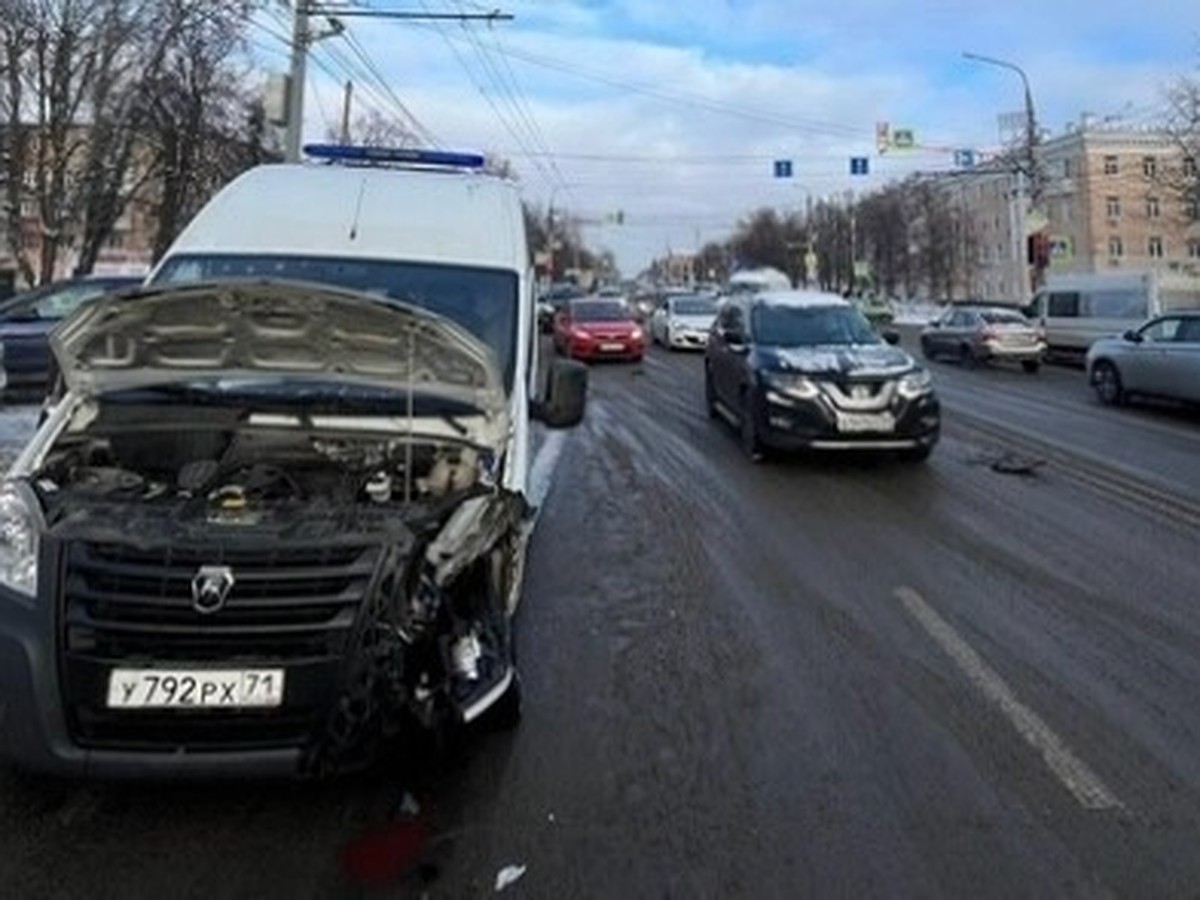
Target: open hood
267	330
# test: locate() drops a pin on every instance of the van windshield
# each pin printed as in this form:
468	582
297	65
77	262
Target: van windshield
483	301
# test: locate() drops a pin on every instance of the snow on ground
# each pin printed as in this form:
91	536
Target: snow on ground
916	313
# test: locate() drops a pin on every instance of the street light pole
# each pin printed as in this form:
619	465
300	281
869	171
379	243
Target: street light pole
1032	167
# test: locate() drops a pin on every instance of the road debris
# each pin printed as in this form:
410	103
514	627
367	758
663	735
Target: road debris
509	876
1009	463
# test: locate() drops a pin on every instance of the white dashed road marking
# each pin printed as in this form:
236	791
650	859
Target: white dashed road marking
1075	775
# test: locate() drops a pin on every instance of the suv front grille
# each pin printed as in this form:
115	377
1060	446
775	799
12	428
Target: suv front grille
290	606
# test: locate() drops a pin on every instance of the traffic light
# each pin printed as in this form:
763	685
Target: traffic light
1037	252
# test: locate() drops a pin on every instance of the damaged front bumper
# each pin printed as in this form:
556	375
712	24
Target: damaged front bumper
422	639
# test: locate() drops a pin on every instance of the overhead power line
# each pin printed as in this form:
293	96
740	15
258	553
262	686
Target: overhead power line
684	98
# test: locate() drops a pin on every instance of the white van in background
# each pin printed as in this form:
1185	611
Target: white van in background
1077	310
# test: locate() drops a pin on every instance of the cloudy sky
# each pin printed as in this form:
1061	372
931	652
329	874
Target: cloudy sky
672	111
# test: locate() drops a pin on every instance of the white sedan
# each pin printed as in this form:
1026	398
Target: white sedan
683	322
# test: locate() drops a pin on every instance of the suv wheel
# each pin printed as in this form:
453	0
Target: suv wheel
710	394
751	443
916	454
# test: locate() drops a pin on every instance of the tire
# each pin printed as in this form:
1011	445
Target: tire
1032	366
1107	382
710	395
505	713
916	454
752	444
966	356
927	352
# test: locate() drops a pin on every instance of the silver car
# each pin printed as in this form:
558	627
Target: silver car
683	321
977	333
1160	359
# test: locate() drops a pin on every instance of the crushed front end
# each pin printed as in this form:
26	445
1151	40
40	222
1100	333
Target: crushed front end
243	600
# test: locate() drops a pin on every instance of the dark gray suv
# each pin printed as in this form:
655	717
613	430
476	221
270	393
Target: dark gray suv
804	370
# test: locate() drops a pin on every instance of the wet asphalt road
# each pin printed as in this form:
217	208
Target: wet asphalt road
800	679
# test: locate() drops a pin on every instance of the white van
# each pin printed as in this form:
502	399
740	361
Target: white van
1077	310
277	512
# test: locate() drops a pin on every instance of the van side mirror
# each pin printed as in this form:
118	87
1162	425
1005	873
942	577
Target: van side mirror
566	395
1133	337
892	337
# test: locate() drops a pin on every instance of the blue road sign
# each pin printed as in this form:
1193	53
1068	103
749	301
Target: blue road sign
859	165
964	159
783	168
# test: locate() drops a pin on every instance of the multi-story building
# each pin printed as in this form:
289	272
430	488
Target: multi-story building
1113	197
988	199
127	250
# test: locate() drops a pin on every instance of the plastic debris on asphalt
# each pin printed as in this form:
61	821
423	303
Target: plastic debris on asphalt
508	876
1015	464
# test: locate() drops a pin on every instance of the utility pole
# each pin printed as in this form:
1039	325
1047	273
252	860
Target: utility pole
303	38
1035	218
299	71
346	101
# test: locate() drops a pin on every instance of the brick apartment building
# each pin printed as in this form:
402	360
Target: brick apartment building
128	249
1113	200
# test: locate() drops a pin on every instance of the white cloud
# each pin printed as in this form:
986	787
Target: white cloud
818	106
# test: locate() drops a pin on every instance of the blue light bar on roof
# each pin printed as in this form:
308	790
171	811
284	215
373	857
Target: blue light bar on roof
355	154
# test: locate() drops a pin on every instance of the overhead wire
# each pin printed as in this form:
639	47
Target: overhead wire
810	126
328	57
542	170
510	86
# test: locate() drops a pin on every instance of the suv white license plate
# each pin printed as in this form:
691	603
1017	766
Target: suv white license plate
864	422
195	688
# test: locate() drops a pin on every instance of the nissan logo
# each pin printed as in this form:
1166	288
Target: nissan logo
210	588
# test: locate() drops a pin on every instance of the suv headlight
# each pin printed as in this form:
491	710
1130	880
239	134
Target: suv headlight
18	543
790	384
915	384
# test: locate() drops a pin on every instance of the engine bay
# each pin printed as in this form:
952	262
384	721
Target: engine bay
431	640
256	465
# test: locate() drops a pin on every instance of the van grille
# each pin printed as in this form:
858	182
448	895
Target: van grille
290	606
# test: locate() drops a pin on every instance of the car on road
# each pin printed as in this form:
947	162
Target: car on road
27	319
684	321
877	309
1161	359
801	370
597	328
984	333
552	302
277	513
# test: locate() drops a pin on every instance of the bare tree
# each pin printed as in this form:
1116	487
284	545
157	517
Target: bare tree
1181	173
87	82
371	128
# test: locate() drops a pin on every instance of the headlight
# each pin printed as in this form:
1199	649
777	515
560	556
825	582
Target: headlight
915	384
637	334
18	543
801	387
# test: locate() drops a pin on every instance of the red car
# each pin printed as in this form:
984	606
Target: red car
598	328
